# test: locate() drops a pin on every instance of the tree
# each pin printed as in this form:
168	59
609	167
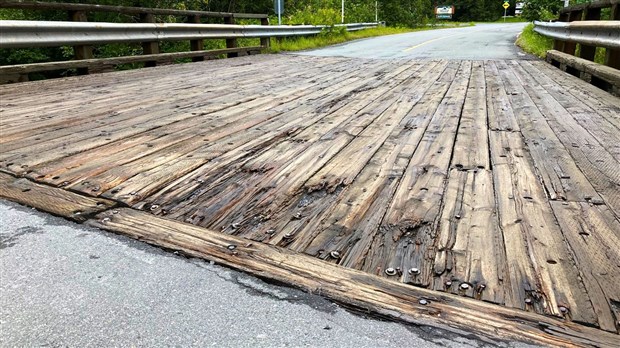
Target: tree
543	10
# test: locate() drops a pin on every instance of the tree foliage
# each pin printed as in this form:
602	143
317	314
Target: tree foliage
545	10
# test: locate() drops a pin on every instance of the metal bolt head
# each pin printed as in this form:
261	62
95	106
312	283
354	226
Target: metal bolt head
335	254
288	236
390	271
423	302
235	225
457	216
105	220
154	207
232	247
563	309
464	286
528	300
413	271
270	231
448	283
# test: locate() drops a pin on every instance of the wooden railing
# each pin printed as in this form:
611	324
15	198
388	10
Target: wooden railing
589	12
150	49
583	25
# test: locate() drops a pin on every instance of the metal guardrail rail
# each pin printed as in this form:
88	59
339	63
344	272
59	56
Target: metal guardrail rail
594	33
20	34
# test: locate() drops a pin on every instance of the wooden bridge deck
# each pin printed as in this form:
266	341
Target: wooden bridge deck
495	180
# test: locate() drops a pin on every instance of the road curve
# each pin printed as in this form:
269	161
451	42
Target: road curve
483	41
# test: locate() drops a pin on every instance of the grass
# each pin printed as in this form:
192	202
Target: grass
534	43
599	55
332	38
511	19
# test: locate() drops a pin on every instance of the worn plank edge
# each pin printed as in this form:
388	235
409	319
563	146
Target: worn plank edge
354	289
50	199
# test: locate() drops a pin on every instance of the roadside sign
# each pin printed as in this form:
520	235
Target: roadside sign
278	6
444	12
506	5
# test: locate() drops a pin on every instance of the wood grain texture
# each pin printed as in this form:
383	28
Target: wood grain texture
464	178
50	199
349	286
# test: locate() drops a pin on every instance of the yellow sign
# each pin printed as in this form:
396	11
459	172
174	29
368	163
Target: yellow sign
506	5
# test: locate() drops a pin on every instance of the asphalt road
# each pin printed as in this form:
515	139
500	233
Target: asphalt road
67	285
482	41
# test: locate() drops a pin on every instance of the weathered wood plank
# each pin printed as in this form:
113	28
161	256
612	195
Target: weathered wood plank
79	164
348	286
605	129
415	206
500	114
346	222
108	63
470	246
322	116
443	166
541	269
52	200
604	103
239	130
471	149
272	179
596	163
562	179
593	234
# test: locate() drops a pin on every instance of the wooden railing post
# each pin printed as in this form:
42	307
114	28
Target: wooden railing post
558	45
149	47
265	41
82	51
196	45
231	43
570	47
588	52
612	57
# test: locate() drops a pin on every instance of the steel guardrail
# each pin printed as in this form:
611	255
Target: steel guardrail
593	33
21	34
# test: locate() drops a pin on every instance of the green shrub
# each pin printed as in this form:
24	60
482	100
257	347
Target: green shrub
534	43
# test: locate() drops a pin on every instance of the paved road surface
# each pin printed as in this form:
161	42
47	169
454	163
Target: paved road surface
483	41
63	284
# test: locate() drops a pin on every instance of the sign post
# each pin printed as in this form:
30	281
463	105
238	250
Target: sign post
506	5
279	8
376	11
